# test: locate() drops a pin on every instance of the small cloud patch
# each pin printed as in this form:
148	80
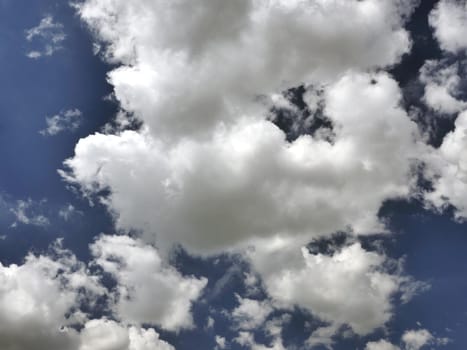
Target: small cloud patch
47	38
65	120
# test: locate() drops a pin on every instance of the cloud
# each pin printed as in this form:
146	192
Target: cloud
449	21
268	46
350	287
442	86
40	308
411	339
109	335
28	212
48	35
250	313
381	345
66	120
209	170
68	211
251	182
147	291
220	342
38	302
449	170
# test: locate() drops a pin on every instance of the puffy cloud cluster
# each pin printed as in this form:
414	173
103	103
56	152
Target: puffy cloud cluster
246	181
41	302
147	292
449	165
350	287
103	334
449	20
209	171
49	36
442	86
411	339
188	65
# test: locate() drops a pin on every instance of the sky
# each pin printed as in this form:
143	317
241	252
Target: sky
268	174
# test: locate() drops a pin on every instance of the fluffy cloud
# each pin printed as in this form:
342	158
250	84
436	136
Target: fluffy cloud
38	301
247	181
65	120
449	20
147	291
108	335
449	170
208	170
411	339
381	345
49	36
250	313
416	339
349	287
442	87
174	76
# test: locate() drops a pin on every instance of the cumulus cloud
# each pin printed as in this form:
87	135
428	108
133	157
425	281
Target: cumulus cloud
38	301
147	291
268	46
381	345
246	181
349	287
442	87
449	21
209	170
411	340
48	35
449	170
40	308
251	313
104	334
65	120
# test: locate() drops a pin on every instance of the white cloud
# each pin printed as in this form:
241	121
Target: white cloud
68	211
65	120
220	342
449	170
296	42
109	335
416	339
347	288
247	339
442	86
40	305
38	301
208	171
148	291
250	313
449	20
381	345
411	339
28	212
249	181
49	36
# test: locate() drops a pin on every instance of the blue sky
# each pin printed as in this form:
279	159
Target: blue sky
188	219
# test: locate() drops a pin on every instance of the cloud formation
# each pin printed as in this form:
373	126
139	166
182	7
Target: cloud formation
48	36
147	291
449	20
209	170
65	120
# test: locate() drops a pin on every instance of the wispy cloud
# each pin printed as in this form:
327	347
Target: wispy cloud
65	120
48	35
26	212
